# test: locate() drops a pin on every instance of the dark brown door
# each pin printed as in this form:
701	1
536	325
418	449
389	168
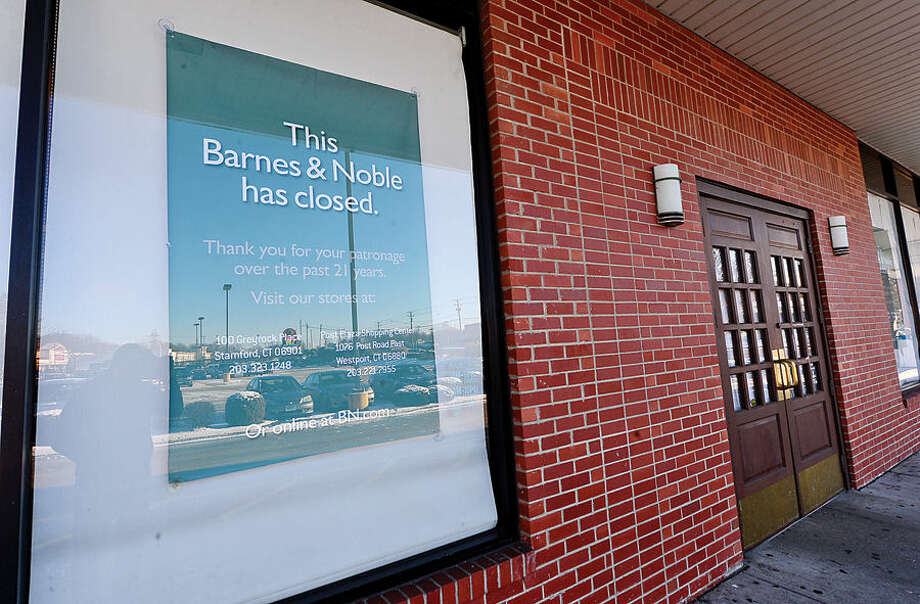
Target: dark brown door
781	423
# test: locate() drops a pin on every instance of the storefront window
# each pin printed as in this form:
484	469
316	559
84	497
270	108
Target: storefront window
261	356
911	218
11	21
894	284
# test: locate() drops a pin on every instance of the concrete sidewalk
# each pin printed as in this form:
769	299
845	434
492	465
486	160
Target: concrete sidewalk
862	547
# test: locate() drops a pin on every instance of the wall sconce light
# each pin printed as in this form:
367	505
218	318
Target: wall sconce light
840	241
667	194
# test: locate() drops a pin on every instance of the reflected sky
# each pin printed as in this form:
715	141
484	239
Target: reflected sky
105	263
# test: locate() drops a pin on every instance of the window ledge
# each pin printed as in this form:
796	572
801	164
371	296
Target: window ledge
498	574
912	392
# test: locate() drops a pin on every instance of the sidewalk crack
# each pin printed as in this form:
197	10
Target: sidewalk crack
783	587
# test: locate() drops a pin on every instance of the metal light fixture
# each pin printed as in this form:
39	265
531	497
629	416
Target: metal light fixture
667	194
840	240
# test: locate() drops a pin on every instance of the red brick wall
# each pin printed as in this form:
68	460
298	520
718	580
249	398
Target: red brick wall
624	470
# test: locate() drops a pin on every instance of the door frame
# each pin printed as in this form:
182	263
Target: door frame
728	193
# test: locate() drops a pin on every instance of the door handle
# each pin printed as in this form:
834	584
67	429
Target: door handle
786	373
780	371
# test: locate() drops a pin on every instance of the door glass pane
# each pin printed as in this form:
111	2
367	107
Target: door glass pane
788	272
765	386
777	270
781	307
751	389
761	337
792	305
894	284
188	296
756	316
745	347
734	265
799	273
725	306
718	263
806	372
736	391
802	388
740	311
795	343
750	267
730	349
12	13
815	377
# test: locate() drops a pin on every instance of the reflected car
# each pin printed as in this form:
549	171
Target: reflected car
199	374
335	391
283	395
182	377
466	370
56	392
411	383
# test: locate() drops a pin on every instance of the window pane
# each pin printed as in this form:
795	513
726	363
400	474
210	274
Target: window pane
750	267
751	380
188	296
745	347
815	377
725	306
736	391
765	386
894	283
12	14
912	230
761	336
718	263
781	307
740	312
734	265
755	306
730	348
795	352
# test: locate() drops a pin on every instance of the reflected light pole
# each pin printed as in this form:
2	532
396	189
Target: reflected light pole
201	330
351	251
197	340
227	287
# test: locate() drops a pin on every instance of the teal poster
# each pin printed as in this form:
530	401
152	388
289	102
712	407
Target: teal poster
298	263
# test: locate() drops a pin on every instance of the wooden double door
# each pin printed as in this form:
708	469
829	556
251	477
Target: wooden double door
775	377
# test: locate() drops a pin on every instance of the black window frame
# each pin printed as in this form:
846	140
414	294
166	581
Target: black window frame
17	434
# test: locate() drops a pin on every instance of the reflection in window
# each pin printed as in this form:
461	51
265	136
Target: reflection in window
12	14
724	306
145	385
911	220
894	284
736	392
